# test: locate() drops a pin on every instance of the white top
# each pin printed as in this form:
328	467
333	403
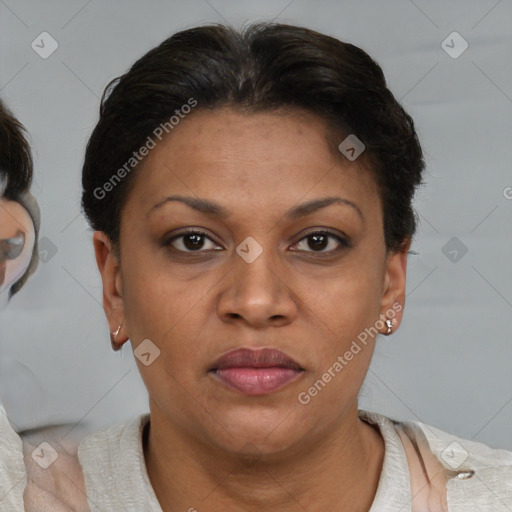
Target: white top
116	478
13	477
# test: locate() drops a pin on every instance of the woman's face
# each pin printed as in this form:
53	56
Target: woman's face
258	278
17	238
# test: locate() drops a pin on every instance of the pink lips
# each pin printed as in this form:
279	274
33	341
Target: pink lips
256	372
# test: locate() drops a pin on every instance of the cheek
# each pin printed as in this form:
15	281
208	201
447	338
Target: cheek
168	310
157	306
345	304
342	342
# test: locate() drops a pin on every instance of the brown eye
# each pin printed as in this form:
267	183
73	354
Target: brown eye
189	241
318	241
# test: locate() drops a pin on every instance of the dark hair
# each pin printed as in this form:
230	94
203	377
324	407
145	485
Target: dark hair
15	156
264	67
16	170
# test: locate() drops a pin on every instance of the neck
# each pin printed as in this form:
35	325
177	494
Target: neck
342	469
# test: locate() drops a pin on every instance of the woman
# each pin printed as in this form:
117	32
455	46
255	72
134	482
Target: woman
19	224
251	200
33	477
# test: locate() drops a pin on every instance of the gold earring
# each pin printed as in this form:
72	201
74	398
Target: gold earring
113	340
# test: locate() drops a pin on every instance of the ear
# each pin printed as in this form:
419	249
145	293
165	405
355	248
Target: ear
393	298
110	270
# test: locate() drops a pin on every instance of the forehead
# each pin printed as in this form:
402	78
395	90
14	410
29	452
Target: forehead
266	156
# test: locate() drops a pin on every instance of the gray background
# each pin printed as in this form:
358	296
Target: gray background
449	365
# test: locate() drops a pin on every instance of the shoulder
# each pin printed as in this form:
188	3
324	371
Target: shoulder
113	465
478	477
54	476
458	452
12	467
9	439
120	440
482	475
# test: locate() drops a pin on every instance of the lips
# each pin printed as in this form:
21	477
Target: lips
256	372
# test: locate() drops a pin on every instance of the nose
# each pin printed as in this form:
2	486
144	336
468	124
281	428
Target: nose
258	293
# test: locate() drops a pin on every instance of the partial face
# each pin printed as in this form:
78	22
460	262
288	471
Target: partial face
17	238
275	271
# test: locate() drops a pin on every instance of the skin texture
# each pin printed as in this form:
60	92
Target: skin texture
211	447
14	220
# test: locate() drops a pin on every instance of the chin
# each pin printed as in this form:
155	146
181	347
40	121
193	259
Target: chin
257	431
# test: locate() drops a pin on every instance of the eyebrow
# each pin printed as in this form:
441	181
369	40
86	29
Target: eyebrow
211	208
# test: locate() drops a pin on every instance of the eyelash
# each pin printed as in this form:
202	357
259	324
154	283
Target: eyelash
344	243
